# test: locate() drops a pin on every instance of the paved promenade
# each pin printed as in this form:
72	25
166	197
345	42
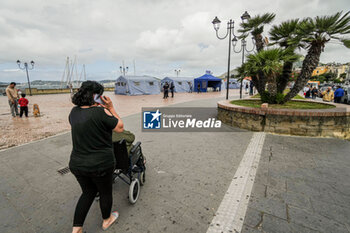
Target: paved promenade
55	110
301	184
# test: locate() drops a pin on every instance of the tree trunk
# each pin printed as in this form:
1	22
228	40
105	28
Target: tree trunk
259	43
283	80
257	84
309	64
272	87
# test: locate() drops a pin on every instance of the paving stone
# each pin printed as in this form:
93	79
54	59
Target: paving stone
301	187
298	200
273	224
340	199
315	221
335	212
274	193
271	206
258	191
248	229
253	218
317	192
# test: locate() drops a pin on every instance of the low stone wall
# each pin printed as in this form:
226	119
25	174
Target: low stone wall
36	91
333	122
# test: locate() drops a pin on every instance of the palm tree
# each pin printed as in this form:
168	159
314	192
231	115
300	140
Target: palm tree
313	34
286	37
255	26
268	63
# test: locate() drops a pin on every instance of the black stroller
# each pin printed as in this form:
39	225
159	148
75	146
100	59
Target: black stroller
130	163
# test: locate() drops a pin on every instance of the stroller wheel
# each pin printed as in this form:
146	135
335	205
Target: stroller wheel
134	191
142	178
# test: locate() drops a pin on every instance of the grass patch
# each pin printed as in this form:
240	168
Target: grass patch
288	105
297	97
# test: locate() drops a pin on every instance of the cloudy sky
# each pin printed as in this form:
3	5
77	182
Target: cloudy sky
159	35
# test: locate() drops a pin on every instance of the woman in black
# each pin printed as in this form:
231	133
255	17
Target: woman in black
92	160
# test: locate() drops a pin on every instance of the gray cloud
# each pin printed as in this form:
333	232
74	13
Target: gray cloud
160	35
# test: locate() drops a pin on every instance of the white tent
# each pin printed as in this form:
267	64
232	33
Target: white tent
137	85
182	84
233	84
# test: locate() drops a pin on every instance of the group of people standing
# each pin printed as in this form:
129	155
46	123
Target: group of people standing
13	98
166	88
327	96
310	92
249	88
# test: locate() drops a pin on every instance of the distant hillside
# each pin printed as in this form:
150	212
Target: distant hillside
49	82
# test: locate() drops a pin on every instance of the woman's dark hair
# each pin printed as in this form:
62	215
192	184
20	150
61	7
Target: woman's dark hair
85	94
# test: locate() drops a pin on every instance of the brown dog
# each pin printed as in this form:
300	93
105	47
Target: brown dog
36	110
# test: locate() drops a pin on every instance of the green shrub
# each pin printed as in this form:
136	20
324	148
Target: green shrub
266	97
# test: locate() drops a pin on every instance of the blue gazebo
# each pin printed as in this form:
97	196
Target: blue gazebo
207	80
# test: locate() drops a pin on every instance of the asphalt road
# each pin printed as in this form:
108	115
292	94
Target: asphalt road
187	177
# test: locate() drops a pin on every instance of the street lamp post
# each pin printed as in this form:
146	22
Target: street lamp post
230	32
123	69
177	72
25	67
243	49
230	26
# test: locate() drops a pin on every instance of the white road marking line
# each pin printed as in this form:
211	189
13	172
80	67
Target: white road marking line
231	212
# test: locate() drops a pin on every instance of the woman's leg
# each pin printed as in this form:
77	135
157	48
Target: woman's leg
86	199
104	185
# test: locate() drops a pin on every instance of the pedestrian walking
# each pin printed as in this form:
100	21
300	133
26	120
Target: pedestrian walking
190	84
92	159
23	103
251	86
198	88
246	88
328	95
306	89
172	88
166	90
308	92
314	92
12	95
338	94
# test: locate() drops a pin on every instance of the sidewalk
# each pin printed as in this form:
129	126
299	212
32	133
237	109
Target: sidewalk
55	110
302	185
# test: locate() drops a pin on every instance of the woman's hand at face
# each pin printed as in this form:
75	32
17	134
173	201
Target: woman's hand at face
107	102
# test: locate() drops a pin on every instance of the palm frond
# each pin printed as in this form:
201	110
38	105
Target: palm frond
346	43
268	61
284	33
256	22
